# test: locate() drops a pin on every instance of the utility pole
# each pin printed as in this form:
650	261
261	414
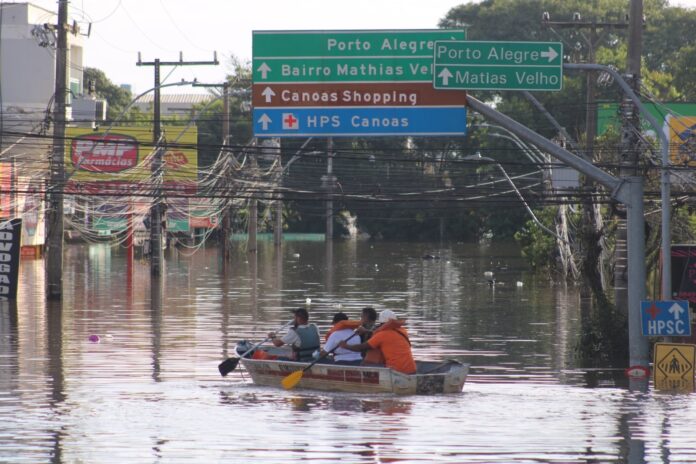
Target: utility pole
226	223
591	229
156	255
54	220
226	219
328	182
629	153
252	223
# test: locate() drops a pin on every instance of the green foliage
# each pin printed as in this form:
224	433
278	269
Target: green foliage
210	136
603	338
117	97
538	246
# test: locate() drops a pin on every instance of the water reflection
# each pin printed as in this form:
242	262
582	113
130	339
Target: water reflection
148	390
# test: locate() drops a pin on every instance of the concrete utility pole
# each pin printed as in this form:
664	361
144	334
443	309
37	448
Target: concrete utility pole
226	214
630	129
54	220
591	223
328	182
628	191
252	222
156	255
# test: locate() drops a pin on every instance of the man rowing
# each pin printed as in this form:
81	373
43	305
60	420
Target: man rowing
302	337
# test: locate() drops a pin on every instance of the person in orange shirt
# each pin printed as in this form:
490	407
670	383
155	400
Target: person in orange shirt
391	339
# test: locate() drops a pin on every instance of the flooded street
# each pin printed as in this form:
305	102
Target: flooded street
127	371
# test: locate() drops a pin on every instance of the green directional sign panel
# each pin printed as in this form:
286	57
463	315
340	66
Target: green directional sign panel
346	56
344	43
476	65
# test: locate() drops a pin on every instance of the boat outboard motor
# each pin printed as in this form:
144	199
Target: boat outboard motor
242	347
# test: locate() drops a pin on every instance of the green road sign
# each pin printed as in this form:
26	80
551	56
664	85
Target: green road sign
472	65
364	69
276	44
346	56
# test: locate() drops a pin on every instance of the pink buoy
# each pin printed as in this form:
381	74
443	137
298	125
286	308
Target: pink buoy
94	338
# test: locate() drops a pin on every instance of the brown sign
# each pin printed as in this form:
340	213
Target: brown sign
348	94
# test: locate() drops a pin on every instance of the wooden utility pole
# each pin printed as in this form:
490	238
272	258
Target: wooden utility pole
156	219
54	216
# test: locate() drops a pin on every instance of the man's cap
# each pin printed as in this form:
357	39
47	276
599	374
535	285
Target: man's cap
302	312
386	315
339	317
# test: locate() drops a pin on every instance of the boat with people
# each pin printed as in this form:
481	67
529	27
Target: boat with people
431	377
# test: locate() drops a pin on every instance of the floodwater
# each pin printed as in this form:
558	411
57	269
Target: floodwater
149	390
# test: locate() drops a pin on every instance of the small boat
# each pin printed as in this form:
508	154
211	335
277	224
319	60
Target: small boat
431	377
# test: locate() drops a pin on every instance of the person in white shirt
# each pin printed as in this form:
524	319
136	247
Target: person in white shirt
342	355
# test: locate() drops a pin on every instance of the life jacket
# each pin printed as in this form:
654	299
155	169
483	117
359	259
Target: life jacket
340	325
375	356
309	342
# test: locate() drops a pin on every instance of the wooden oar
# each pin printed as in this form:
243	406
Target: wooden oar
293	379
229	364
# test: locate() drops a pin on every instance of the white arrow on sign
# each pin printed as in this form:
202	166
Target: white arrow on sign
268	93
551	54
676	310
445	74
264	120
263	69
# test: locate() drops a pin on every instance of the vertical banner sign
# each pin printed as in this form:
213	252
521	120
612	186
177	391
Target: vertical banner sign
10	234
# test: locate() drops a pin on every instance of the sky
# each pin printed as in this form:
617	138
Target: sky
198	28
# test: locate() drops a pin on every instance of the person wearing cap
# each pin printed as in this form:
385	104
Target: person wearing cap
391	339
302	337
340	332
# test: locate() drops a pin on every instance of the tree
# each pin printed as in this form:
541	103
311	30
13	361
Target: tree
117	97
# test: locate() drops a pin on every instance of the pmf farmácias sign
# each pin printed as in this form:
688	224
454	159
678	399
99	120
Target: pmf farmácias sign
10	234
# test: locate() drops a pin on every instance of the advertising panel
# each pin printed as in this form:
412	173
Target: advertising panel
682	140
122	157
10	235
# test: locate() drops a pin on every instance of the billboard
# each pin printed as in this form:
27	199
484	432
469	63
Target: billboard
681	132
121	158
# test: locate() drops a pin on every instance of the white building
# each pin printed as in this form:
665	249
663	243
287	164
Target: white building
27	84
28	64
177	104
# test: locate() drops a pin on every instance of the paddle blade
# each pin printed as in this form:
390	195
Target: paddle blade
291	380
227	366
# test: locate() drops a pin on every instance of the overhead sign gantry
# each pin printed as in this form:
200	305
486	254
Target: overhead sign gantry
352	83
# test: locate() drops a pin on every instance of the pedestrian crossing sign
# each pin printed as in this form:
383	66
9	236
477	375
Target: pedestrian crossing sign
674	366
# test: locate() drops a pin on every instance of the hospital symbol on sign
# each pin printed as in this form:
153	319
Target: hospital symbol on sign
290	122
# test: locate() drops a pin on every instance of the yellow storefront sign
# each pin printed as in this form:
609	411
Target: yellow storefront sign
682	140
674	366
125	154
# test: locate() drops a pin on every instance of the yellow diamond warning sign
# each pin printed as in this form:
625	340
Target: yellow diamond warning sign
674	366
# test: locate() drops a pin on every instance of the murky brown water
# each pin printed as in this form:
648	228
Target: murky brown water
149	390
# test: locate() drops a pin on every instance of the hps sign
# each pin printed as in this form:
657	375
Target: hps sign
10	234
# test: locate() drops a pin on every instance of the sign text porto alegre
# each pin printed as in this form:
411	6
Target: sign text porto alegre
352	83
498	65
